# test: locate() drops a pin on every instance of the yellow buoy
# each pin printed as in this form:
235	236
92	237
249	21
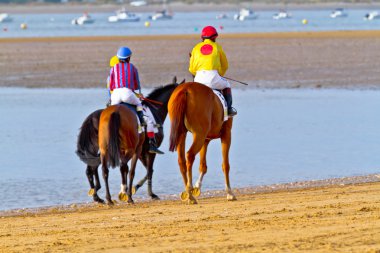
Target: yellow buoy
23	26
305	21
147	24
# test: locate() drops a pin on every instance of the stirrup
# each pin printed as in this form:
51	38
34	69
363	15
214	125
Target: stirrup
155	150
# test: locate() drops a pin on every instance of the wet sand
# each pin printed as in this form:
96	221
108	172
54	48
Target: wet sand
341	59
338	218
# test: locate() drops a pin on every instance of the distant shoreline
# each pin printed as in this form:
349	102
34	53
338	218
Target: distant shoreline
249	190
175	7
336	59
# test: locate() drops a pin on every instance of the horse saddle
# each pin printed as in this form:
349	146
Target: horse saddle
134	110
223	101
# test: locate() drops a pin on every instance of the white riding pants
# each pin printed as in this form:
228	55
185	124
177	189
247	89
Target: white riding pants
127	96
212	79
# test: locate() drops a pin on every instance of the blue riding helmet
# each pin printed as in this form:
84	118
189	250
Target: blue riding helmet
123	53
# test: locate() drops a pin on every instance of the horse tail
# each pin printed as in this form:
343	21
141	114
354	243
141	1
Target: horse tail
114	140
177	118
87	144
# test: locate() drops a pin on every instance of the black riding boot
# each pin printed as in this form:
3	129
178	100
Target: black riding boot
153	147
228	96
140	114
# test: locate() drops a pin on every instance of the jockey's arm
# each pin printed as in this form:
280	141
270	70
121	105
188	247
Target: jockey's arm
223	62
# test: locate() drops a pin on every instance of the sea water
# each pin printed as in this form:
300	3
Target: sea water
55	25
278	136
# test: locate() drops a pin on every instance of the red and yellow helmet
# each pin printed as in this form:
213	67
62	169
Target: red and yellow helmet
209	32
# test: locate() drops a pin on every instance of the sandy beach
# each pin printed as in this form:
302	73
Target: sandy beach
341	218
339	59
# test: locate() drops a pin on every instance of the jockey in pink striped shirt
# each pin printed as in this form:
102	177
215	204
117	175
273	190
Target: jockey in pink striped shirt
123	82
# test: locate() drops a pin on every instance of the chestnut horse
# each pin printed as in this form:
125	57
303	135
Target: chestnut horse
88	148
119	142
195	108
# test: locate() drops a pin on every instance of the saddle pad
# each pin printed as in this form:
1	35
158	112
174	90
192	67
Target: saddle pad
224	104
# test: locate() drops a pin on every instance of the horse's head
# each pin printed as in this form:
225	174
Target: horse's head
159	98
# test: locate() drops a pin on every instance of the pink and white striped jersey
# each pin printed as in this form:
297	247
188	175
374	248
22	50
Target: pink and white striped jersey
124	74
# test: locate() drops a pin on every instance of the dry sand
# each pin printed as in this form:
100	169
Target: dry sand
333	219
343	59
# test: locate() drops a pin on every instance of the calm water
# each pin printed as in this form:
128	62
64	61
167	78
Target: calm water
46	25
279	136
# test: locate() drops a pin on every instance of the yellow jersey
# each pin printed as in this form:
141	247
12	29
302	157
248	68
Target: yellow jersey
208	55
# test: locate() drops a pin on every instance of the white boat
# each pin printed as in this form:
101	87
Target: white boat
123	16
338	13
221	16
371	15
85	19
245	14
138	3
4	17
161	15
282	15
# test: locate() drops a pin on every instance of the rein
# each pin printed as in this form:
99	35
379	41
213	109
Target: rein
149	100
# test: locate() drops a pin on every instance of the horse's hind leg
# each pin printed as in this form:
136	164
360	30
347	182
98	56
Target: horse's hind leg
131	176
92	171
226	143
123	188
198	141
202	168
105	177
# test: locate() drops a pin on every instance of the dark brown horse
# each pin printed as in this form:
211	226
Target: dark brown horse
88	148
195	108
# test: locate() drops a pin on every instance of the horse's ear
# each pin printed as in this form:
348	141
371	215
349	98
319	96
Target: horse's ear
183	81
174	79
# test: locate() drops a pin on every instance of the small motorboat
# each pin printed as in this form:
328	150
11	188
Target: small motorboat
82	20
371	15
4	17
245	14
138	3
221	16
161	15
282	15
338	13
123	16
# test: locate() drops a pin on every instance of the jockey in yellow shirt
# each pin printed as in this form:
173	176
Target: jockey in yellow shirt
208	64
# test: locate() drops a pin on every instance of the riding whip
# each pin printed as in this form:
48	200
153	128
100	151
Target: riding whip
235	80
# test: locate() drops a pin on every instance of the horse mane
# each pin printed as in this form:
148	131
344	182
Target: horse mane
159	90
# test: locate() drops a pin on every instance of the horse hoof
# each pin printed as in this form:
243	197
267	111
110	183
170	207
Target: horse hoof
154	196
130	201
91	192
184	196
231	197
196	192
123	196
110	203
134	190
192	201
97	199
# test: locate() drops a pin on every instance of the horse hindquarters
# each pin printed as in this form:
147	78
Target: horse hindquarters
177	109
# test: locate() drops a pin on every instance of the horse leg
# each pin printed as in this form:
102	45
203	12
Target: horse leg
105	177
226	143
202	168
143	159
123	187
198	141
91	173
131	176
182	157
150	162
